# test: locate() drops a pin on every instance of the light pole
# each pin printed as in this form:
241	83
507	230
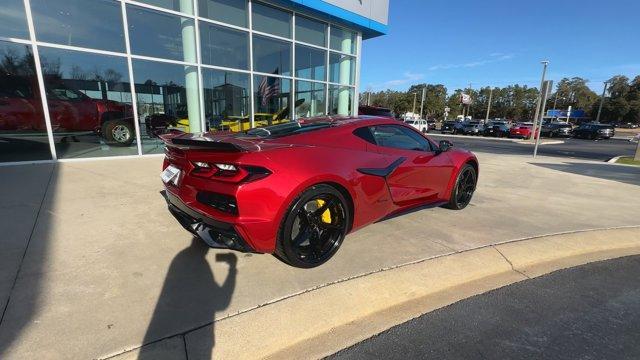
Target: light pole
422	101
545	63
604	92
486	119
414	102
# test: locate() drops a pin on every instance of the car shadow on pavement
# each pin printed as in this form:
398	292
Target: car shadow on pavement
619	173
189	299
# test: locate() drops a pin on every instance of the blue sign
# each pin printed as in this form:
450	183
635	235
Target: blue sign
563	113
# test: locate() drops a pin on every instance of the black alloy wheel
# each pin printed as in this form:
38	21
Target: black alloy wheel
313	228
464	188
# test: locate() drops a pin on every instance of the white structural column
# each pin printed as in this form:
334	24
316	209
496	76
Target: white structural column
345	77
190	72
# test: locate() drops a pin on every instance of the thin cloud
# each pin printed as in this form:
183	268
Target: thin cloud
493	58
408	77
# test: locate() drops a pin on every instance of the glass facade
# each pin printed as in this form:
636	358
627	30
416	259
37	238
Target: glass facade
118	73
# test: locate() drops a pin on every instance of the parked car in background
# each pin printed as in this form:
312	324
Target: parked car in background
522	130
594	131
472	128
556	129
432	124
496	129
375	111
420	125
451	127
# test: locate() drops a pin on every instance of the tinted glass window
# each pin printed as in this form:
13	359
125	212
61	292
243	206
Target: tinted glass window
399	137
226	100
223	46
13	21
310	63
342	69
271	56
271	20
86	23
228	11
340	100
157	34
23	134
311	31
89	103
185	6
343	40
272	99
310	99
365	134
167	97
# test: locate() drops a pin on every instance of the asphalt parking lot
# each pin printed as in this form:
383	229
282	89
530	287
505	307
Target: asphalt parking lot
587	312
601	150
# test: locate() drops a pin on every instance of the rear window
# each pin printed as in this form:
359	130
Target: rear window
286	129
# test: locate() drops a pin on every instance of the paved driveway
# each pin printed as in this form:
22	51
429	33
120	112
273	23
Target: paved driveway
106	268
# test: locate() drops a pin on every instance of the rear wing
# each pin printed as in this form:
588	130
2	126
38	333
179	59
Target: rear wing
181	140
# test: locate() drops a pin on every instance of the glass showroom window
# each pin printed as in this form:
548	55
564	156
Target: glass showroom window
224	47
86	119
232	12
13	21
185	6
270	20
22	126
342	69
340	100
343	40
94	24
271	56
227	99
272	96
310	63
167	98
310	99
311	31
157	34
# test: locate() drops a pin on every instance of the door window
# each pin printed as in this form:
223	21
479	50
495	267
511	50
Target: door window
399	137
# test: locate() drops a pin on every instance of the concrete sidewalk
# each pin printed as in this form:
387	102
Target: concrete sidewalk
106	268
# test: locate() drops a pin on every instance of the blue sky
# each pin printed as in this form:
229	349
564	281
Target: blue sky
501	42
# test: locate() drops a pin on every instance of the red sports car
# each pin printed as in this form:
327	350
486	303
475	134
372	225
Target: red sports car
522	130
296	189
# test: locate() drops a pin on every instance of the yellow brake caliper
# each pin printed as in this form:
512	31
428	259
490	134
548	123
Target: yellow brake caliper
326	215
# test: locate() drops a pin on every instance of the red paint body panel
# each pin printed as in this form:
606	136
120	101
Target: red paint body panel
296	162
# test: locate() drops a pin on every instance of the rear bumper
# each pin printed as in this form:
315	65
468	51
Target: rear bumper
216	234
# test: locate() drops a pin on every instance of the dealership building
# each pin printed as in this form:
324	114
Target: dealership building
117	73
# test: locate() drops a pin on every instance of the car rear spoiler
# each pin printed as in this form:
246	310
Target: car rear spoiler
183	140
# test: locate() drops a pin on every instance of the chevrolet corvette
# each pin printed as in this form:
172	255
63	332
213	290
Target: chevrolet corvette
297	189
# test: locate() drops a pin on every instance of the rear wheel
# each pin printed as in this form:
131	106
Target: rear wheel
119	132
313	227
464	188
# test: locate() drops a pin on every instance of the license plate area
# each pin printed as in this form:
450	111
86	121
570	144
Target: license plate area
171	175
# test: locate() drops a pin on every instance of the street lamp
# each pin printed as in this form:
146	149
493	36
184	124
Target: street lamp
545	63
604	92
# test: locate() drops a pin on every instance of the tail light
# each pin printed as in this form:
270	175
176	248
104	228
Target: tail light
229	172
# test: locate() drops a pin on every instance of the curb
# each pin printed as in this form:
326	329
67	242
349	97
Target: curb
326	319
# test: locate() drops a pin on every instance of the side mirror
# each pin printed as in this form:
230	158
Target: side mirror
445	145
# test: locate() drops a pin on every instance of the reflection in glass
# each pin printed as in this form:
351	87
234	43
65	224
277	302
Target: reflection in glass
185	6
342	69
272	96
311	31
85	23
13	21
343	40
310	63
270	20
271	56
162	35
89	103
232	12
310	99
226	100
223	46
167	98
340	100
23	134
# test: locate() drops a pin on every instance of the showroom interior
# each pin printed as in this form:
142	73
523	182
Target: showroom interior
195	65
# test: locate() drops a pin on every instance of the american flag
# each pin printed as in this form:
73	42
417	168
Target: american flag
269	87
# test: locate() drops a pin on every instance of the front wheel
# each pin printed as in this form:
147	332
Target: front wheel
313	227
119	132
463	189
